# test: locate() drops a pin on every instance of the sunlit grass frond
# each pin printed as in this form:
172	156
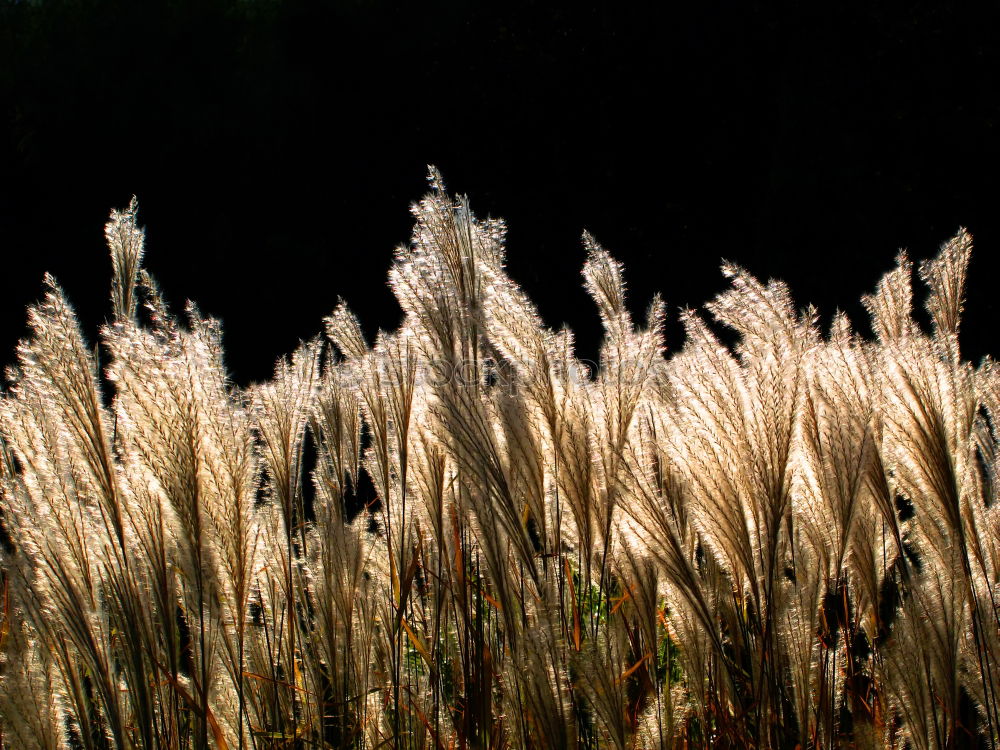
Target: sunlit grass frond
126	240
891	306
945	276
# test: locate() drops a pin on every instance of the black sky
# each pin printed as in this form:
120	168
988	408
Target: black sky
275	148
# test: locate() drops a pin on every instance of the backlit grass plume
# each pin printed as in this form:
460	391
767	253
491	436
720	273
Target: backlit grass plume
456	535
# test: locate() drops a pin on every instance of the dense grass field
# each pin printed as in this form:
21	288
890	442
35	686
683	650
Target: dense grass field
779	534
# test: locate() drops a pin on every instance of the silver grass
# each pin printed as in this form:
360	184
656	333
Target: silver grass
659	525
67	498
627	358
601	681
791	541
126	241
930	444
280	411
387	381
32	700
836	515
659	709
945	276
924	663
159	428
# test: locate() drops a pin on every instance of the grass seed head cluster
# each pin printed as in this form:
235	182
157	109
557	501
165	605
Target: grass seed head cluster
791	541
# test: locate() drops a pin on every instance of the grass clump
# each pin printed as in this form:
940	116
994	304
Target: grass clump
706	549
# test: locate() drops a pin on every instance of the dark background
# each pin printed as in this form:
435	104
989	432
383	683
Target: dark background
275	148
